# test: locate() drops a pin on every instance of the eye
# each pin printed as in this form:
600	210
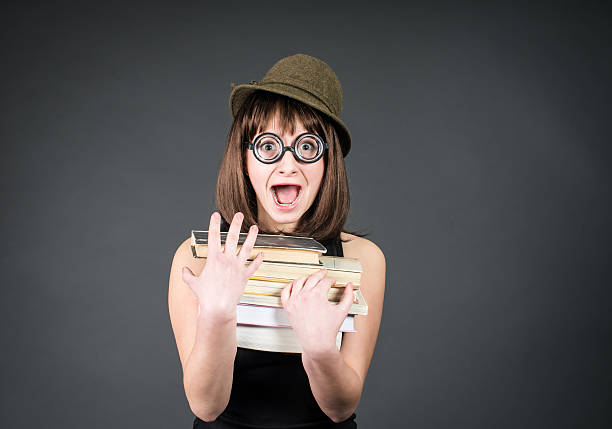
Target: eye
267	147
308	147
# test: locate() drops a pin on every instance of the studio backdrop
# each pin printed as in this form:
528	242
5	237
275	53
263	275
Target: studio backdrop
480	166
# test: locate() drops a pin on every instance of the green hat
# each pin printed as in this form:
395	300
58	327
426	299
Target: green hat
303	78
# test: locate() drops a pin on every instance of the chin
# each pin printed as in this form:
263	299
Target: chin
284	218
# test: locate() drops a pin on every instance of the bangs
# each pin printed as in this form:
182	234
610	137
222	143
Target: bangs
260	108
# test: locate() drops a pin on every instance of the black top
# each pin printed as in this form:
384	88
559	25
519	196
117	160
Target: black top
271	389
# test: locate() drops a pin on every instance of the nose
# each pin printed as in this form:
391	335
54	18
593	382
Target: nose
287	164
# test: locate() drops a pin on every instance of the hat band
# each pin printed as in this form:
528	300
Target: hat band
308	91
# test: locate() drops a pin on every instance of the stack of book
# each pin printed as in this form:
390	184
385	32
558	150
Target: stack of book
262	322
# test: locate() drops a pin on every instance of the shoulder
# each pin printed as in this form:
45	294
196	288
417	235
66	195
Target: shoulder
184	256
363	249
184	247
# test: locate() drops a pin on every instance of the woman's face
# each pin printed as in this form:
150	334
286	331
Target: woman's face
281	207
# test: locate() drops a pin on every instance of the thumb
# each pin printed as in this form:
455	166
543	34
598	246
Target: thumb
254	265
188	276
285	294
347	299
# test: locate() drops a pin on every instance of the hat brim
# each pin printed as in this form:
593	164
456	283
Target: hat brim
241	92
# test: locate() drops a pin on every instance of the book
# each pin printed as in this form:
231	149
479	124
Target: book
284	267
262	287
247	314
265	287
358	307
282	248
262	321
271	339
341	269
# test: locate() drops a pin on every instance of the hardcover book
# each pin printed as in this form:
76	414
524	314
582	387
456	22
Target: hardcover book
284	248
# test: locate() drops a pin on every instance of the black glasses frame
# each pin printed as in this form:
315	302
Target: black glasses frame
251	146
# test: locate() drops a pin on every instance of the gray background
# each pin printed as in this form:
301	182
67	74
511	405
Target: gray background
480	165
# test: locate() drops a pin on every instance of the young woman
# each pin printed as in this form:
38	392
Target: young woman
282	173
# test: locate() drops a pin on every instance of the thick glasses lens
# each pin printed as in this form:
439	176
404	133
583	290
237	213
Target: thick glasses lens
308	147
268	147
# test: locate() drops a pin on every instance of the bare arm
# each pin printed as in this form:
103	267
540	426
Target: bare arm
335	385
208	372
207	341
336	377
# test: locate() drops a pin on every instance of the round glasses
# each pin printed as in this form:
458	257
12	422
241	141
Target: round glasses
269	148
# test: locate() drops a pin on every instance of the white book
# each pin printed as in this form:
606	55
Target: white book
272	339
248	314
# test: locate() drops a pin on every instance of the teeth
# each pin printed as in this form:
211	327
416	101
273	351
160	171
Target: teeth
285	204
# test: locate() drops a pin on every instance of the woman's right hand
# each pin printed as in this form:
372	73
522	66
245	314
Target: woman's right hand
221	284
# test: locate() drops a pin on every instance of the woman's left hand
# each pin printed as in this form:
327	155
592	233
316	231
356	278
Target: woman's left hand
313	318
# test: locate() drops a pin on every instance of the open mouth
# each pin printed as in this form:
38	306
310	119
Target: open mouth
286	195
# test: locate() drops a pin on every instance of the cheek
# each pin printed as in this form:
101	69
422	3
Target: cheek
257	174
316	175
251	168
249	164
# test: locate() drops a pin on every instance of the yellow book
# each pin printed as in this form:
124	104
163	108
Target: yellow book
253	287
359	305
343	270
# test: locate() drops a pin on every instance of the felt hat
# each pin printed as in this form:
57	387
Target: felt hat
303	78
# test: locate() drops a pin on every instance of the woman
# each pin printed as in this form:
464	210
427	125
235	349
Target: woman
261	187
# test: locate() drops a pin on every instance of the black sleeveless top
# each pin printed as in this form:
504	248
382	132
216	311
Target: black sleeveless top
271	389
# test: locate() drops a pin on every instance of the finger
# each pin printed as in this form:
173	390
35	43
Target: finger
254	264
298	284
313	279
249	242
233	234
324	286
214	242
347	299
285	294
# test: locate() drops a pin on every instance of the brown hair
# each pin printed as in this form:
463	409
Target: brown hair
325	218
